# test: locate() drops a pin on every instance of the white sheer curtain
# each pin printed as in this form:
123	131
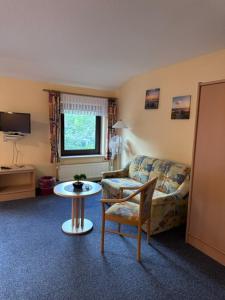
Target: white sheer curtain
84	105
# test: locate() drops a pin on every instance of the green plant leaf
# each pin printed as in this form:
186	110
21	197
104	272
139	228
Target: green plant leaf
76	177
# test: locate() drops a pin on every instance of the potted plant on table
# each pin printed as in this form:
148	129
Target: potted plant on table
78	184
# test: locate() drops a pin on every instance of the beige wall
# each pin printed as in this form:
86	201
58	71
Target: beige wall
27	96
152	132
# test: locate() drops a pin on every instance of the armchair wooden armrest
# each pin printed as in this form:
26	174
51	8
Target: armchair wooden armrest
113	201
128	188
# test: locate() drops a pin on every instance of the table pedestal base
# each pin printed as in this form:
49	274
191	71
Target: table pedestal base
68	228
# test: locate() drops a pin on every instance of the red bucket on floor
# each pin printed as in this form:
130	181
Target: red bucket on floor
46	185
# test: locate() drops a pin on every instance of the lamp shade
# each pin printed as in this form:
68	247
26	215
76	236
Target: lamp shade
119	125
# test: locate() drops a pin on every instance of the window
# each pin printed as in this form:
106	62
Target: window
80	134
83	124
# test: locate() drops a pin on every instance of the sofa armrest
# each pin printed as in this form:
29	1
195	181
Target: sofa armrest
179	196
167	199
183	189
117	173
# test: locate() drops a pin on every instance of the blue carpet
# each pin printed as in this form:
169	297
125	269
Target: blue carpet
38	261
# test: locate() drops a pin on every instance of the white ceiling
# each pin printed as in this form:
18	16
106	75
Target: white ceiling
102	43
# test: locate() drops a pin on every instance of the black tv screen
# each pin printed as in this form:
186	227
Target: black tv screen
15	122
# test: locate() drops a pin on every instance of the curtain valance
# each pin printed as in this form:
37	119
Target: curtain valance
84	105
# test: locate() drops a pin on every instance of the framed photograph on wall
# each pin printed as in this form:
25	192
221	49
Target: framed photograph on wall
152	99
181	107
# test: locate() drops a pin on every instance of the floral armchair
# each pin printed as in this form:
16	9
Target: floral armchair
169	204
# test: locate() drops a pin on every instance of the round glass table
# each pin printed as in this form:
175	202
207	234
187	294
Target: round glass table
77	224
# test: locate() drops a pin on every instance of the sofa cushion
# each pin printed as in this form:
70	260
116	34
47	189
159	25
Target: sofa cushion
141	167
170	175
112	185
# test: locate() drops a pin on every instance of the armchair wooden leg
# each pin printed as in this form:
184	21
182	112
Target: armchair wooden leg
148	230
139	244
103	229
119	226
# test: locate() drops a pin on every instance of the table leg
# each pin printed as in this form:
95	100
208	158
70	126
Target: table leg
72	212
82	212
77	212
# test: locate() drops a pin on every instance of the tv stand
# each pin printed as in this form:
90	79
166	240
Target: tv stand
12	136
17	182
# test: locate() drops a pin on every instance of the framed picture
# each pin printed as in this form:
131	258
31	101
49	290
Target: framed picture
181	107
152	99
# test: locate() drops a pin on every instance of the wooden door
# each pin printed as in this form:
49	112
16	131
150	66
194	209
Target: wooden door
206	228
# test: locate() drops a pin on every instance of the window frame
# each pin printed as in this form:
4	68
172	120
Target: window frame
96	151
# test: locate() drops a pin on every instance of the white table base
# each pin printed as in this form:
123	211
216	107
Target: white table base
69	228
77	224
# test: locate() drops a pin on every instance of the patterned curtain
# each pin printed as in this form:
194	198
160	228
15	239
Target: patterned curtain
112	119
54	120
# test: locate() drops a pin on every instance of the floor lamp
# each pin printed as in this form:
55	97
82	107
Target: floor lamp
116	142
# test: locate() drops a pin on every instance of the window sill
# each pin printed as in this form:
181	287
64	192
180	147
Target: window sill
82	156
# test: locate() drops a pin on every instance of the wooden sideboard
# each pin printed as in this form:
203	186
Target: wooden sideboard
17	183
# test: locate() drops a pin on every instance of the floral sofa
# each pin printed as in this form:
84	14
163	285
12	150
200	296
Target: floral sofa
169	204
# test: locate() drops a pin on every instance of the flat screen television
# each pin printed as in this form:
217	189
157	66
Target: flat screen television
15	122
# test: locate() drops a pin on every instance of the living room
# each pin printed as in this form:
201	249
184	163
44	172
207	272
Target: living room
134	62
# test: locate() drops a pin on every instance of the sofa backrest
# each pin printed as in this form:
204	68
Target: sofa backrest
140	168
170	174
